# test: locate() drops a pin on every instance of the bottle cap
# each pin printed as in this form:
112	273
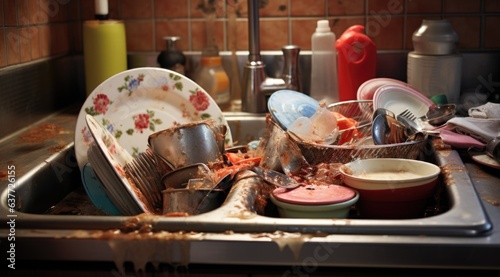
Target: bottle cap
323	26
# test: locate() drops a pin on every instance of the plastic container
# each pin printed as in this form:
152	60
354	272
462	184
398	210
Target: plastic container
435	67
357	60
172	58
213	78
324	85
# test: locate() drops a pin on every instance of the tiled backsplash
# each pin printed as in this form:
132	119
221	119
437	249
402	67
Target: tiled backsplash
35	29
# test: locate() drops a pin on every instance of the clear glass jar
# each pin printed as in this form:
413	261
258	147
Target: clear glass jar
213	78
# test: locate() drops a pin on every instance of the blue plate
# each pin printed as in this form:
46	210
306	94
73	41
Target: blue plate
96	192
285	106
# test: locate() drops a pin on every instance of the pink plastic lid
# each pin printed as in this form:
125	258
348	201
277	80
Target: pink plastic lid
314	194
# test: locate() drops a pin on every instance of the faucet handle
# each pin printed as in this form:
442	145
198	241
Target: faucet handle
291	72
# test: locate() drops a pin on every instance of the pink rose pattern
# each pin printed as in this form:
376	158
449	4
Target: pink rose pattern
141	122
101	103
199	100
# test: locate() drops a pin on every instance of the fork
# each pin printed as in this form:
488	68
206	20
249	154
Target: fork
143	172
408	114
410	120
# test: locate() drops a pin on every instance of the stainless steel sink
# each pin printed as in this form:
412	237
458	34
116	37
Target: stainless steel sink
53	213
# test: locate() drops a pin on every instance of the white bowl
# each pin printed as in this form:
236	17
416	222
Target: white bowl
397	98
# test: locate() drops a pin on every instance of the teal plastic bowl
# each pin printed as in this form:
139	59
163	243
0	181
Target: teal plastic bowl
336	210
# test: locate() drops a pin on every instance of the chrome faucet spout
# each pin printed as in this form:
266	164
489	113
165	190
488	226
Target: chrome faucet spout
255	85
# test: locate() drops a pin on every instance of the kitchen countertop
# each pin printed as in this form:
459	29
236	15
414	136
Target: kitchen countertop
390	250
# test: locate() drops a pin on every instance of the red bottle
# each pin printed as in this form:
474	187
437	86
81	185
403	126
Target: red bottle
357	57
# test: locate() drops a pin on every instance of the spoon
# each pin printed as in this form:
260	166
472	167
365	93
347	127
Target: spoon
387	130
276	178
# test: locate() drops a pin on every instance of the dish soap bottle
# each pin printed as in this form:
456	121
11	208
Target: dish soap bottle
357	61
172	58
213	78
324	85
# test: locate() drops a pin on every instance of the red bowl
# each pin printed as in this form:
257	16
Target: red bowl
399	203
391	188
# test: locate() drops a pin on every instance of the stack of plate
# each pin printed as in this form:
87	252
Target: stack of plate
109	159
124	110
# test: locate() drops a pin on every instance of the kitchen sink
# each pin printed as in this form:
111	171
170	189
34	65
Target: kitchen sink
53	212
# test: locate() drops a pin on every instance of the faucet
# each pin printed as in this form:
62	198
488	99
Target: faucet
256	86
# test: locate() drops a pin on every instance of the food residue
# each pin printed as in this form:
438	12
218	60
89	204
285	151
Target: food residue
40	133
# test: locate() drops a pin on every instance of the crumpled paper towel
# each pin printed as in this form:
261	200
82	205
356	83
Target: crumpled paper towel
488	110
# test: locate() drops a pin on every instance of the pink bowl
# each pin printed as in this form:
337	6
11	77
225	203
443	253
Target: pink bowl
391	188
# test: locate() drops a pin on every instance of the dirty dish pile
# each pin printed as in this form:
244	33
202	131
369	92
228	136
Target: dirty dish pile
130	106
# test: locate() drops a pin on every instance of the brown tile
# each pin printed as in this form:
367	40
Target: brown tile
12	46
386	34
491	37
54	11
307	8
462	6
385	7
491	6
172	28
423	6
23	12
9	12
1	15
77	31
34	10
25	44
3	51
242	34
341	24
198	9
59	36
279	8
171	9
346	7
136	9
302	30
44	40
114	11
87	10
34	35
140	36
273	34
468	29
199	35
413	23
41	15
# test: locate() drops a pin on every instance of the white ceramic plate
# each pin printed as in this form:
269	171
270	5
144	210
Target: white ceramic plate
136	103
285	106
482	158
397	98
368	88
111	170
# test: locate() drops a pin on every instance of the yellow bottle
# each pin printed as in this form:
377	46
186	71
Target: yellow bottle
213	78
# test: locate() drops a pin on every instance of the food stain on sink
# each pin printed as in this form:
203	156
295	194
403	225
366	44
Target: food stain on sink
294	241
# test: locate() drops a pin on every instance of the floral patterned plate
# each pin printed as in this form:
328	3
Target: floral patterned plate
138	102
108	164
